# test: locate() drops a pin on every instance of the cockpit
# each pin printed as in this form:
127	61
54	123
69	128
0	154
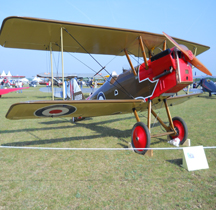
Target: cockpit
113	77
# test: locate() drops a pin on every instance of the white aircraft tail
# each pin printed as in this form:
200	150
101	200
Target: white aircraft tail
73	91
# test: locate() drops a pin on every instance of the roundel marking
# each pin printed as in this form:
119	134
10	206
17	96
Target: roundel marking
115	92
101	96
55	111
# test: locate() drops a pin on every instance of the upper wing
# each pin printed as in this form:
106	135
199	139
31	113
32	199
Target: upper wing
68	75
59	75
83	108
37	34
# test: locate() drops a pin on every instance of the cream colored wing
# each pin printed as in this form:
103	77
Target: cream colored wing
36	34
82	108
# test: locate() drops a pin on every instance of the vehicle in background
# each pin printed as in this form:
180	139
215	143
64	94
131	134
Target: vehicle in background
33	84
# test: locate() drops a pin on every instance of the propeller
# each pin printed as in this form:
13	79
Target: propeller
192	59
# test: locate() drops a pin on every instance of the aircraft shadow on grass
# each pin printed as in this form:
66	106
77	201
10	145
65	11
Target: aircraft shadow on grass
46	97
159	140
6	97
103	131
177	162
206	97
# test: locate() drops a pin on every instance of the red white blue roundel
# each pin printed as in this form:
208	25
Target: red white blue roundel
55	111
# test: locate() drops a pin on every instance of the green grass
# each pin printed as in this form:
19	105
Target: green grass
50	179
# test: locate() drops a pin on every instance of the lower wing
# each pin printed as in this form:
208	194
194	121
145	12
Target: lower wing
84	108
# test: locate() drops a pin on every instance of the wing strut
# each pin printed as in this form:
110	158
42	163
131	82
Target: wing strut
136	115
51	61
164	45
129	60
143	52
63	84
149	114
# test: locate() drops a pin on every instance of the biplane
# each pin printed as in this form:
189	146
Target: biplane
5	87
6	83
207	86
10	80
165	70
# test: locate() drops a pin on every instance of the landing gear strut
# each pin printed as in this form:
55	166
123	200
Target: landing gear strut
141	137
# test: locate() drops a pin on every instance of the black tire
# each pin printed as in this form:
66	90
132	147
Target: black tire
181	128
140	137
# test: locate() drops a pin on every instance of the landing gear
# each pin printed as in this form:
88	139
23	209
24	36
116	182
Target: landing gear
140	138
181	129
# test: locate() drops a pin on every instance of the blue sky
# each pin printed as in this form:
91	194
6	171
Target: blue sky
190	20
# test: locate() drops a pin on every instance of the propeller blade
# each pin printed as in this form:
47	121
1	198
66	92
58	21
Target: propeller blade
189	55
192	59
195	62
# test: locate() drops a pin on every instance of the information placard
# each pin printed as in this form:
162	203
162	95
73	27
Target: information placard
194	158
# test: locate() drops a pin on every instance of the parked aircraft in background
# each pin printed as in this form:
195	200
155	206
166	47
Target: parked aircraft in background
207	86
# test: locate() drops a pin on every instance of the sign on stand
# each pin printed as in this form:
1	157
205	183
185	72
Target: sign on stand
194	158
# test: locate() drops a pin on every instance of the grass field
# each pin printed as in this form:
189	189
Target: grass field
54	179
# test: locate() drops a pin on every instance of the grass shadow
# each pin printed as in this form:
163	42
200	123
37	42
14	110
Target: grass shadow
98	127
6	97
47	97
207	97
158	140
49	141
177	162
34	129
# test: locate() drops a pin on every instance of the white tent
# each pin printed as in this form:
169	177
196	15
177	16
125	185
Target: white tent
3	74
24	80
9	74
37	79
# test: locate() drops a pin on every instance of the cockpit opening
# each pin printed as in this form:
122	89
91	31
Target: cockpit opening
113	77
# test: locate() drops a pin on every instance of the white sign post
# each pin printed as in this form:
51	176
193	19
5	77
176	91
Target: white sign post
194	158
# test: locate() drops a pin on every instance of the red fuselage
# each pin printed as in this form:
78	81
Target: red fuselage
168	72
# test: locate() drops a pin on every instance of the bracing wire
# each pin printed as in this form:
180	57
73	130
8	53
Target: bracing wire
136	59
78	59
122	88
125	91
83	48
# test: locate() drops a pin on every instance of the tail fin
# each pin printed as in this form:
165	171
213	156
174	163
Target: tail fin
74	92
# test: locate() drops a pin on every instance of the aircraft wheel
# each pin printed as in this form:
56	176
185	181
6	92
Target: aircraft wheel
181	128
140	138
